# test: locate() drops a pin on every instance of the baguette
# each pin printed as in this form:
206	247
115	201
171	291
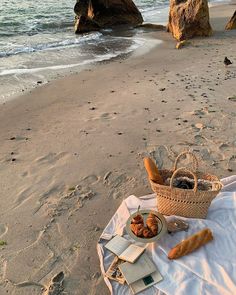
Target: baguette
191	244
152	171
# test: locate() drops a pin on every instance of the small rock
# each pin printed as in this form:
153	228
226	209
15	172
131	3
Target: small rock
232	98
182	44
199	125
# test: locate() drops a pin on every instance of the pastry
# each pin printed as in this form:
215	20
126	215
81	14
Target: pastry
138	219
152	223
147	233
191	244
152	171
137	229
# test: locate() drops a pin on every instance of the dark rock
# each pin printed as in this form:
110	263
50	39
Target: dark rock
152	27
92	15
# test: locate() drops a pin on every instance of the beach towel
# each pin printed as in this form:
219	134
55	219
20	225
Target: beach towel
207	271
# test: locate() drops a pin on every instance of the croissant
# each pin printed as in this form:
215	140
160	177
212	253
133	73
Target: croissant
141	231
138	219
147	233
152	223
191	244
137	229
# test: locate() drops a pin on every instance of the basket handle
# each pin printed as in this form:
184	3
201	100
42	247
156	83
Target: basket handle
186	170
194	160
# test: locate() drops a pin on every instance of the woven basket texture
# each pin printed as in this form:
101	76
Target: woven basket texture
185	202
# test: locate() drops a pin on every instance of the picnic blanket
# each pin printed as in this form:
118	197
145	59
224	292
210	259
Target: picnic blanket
209	270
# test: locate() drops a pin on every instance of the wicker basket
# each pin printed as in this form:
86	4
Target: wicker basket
185	202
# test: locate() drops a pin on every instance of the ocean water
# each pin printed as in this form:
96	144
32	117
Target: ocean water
37	41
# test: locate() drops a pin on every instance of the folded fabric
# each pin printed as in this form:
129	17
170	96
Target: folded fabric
209	270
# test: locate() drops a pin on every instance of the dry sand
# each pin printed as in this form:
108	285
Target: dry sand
72	150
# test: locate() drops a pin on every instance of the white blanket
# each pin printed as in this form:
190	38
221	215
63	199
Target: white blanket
211	270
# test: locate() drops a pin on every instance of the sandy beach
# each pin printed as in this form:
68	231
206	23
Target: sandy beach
72	150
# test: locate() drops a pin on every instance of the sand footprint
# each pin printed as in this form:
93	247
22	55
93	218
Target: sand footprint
77	195
231	164
103	116
200	139
90	180
56	285
107	116
51	158
120	185
161	154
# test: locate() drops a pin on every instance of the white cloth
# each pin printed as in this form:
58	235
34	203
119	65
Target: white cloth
207	271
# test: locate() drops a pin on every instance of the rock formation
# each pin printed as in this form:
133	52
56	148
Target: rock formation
189	18
96	14
231	25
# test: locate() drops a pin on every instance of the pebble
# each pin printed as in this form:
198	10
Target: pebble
232	98
199	125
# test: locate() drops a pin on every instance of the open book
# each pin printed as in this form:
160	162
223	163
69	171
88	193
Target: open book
114	273
124	249
140	275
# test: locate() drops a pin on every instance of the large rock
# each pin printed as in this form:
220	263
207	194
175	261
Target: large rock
95	14
231	25
189	18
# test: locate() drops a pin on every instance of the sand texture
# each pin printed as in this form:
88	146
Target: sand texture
71	150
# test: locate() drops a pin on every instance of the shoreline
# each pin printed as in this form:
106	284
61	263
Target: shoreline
48	74
72	151
74	69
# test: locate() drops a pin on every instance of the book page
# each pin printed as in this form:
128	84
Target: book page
137	270
146	282
117	245
132	253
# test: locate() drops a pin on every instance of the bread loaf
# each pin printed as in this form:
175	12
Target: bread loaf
152	171
191	244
